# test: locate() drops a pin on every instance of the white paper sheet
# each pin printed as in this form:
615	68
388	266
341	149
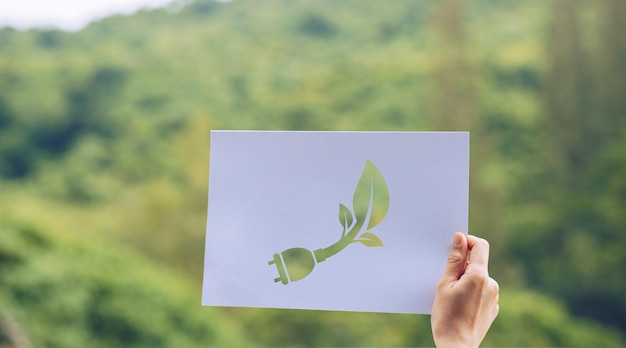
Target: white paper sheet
371	213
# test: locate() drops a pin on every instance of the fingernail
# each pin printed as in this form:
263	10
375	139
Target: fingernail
458	238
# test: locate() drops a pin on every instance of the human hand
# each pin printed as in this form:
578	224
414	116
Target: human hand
466	301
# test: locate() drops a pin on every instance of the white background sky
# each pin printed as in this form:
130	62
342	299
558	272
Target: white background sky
66	14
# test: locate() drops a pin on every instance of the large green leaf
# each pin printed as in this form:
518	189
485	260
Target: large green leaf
371	196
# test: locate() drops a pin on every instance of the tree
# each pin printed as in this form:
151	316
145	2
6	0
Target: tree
577	241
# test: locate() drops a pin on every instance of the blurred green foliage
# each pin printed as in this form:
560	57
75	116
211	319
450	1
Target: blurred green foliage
104	149
73	293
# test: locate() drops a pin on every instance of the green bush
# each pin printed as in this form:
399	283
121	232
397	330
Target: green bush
91	294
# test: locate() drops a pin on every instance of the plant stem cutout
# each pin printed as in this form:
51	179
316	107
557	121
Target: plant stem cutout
370	204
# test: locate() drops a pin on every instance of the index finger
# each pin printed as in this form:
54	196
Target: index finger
479	253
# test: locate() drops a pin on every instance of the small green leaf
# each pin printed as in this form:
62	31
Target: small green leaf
345	216
369	239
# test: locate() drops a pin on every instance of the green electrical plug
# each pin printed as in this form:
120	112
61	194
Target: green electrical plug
370	203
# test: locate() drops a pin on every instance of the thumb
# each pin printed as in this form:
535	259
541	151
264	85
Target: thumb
457	259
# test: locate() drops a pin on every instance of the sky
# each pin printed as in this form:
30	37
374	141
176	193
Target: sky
70	15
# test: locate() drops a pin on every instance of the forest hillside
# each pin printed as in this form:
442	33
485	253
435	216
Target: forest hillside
104	159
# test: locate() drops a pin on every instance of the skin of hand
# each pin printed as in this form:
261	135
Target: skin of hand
466	299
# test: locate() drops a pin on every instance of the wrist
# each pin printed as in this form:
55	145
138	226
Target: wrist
454	343
456	339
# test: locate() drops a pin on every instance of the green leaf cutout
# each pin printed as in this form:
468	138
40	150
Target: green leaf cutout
345	216
371	193
370	240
